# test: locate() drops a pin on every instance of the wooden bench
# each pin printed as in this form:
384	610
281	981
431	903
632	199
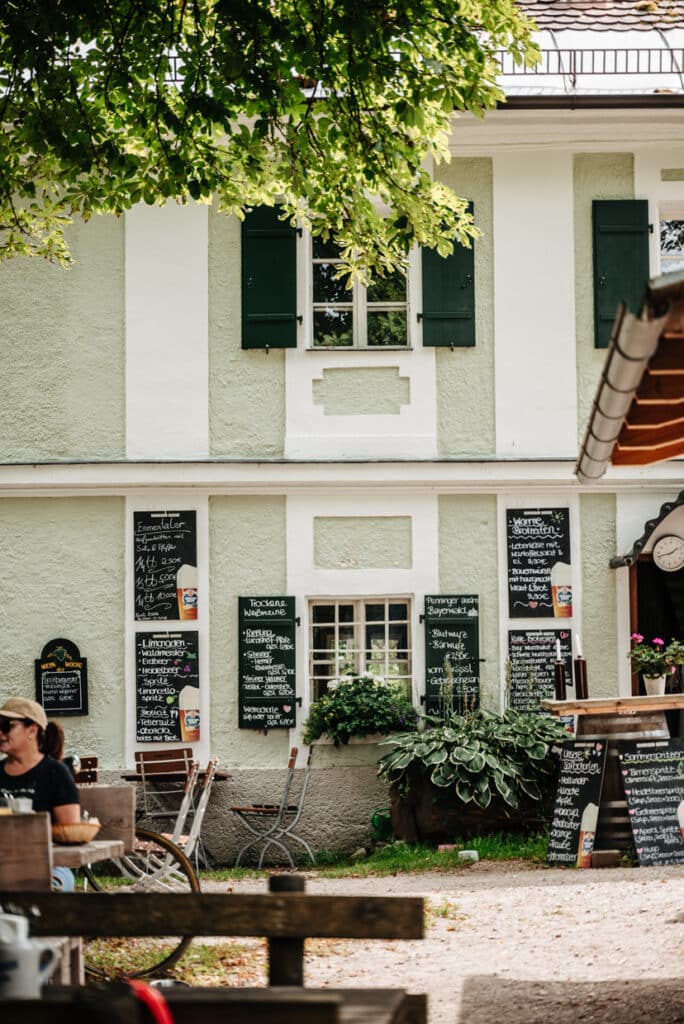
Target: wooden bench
286	916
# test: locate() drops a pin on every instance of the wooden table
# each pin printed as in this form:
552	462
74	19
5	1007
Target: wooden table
615	719
75	856
220	775
285	1005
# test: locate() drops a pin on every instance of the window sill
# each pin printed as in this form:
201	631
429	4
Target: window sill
381	348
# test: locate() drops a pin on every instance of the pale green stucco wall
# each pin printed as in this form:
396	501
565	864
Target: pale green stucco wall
599	593
468	564
359	391
63	576
247	557
363	542
63	349
465	377
596	176
246	388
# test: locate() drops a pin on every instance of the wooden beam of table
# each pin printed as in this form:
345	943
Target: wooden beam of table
86	853
282	915
239	1006
615	705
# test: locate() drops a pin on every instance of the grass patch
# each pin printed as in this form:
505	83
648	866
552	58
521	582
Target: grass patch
397	858
215	964
221	963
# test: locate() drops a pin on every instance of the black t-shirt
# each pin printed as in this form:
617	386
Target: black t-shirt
48	784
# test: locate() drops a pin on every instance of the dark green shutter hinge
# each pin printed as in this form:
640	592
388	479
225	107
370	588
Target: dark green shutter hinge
650	229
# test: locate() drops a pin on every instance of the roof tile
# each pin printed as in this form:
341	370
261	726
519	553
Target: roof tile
605	15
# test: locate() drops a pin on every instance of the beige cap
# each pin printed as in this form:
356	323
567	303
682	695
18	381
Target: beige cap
21	707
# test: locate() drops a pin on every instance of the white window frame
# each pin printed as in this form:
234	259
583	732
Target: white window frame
359	305
358	655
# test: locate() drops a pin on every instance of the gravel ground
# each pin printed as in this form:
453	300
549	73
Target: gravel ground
523	945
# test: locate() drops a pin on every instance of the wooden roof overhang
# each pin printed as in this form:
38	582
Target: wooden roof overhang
638	413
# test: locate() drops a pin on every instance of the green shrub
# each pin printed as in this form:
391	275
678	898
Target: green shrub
479	756
359	706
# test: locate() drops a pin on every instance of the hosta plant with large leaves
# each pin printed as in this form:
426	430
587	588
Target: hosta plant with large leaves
480	756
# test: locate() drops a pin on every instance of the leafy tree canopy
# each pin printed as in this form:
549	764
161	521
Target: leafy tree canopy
328	106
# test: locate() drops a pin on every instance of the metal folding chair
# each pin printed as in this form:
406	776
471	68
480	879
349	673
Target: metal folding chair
190	841
163	777
274	824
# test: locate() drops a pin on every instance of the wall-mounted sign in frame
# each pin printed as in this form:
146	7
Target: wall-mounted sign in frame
62	679
167	690
165	565
267	667
539	565
452	653
531	656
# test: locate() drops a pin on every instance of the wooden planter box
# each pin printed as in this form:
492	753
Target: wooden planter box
430	815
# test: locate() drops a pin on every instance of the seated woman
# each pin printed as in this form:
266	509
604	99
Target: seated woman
31	746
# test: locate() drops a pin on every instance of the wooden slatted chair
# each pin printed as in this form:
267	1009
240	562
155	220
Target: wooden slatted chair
88	772
274	824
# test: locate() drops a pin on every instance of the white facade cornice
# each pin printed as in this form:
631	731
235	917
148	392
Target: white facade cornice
481	476
588	130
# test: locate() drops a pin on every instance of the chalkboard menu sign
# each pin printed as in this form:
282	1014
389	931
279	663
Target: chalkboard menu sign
167	706
578	796
532	655
267	673
62	679
165	565
653	777
539	569
452	653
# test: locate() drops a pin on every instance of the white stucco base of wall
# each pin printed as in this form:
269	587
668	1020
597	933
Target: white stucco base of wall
336	817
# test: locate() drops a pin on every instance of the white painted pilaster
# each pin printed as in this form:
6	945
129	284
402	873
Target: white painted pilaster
167	406
536	391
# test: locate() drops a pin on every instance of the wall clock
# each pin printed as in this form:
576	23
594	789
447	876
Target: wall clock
668	553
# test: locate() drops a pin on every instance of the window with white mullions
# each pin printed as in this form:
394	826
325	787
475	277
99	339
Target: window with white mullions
373	317
359	636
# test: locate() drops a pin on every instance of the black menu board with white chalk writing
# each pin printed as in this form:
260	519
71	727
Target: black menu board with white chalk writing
167	704
267	669
578	796
62	679
452	653
652	773
532	655
165	565
539	570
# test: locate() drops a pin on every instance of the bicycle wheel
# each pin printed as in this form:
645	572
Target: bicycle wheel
155	865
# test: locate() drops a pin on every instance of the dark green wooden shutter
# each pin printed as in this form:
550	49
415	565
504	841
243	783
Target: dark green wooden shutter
449	297
620	260
269	280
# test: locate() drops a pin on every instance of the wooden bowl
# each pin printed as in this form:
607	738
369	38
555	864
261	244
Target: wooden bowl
77	832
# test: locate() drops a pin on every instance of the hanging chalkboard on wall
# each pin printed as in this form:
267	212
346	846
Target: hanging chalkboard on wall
578	797
452	653
62	679
165	565
653	776
539	569
167	705
532	655
267	668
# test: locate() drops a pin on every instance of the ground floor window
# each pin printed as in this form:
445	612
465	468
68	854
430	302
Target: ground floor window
359	635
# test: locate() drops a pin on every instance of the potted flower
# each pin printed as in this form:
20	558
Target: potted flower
655	660
357	706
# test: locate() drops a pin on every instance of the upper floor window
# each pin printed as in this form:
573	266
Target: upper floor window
360	635
372	317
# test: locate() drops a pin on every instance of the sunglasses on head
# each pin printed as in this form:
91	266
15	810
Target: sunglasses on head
7	723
